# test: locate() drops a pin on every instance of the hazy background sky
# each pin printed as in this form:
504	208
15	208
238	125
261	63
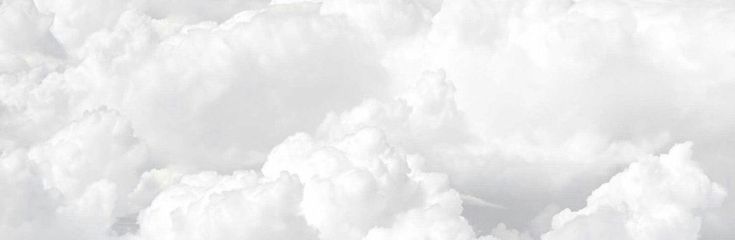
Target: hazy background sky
367	119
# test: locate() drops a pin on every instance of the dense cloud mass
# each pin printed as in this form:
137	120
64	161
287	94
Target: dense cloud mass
367	119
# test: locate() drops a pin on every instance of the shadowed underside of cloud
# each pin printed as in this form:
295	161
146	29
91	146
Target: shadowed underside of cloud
355	119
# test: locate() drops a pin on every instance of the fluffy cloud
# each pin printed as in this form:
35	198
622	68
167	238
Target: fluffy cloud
357	187
75	184
423	119
237	206
655	198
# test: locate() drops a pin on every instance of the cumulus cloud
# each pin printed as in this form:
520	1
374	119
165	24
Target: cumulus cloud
207	206
355	119
358	187
74	184
655	198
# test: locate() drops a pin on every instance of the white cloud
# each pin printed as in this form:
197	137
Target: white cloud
359	186
352	188
237	206
654	198
76	183
423	119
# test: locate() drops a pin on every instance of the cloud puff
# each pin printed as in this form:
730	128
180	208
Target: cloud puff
241	205
350	188
655	198
76	183
278	71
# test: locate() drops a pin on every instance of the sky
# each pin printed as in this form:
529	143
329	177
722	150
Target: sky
367	119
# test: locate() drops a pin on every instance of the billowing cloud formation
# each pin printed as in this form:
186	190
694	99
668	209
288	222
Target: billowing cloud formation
353	188
354	119
207	206
656	198
76	183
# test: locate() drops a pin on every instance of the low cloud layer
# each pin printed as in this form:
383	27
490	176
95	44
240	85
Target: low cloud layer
353	119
